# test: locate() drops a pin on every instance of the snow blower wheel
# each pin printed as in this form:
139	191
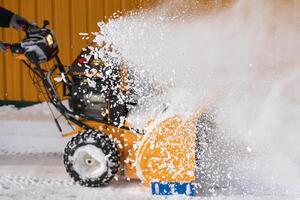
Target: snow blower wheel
92	159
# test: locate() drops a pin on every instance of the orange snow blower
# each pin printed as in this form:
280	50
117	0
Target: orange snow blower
104	143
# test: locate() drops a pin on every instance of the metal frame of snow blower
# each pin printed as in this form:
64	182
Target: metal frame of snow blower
57	102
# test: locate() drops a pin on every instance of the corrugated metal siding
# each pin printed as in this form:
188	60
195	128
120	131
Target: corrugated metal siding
67	18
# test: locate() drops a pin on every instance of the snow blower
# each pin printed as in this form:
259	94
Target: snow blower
103	142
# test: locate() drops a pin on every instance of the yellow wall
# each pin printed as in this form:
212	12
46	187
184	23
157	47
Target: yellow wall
67	18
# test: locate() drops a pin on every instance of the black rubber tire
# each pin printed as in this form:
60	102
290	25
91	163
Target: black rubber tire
108	147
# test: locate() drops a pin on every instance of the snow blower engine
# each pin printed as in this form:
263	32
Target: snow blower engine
99	89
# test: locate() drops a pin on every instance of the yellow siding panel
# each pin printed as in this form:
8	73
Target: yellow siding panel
110	7
67	18
12	66
128	5
2	73
62	28
78	25
28	11
44	12
95	14
2	68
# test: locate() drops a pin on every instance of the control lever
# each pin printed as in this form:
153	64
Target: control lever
45	23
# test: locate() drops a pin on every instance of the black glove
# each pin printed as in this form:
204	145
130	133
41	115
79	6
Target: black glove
2	47
20	23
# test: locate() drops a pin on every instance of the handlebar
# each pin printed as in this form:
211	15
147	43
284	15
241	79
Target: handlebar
31	28
28	29
38	46
14	47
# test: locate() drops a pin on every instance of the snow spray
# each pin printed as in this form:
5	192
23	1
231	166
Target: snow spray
247	57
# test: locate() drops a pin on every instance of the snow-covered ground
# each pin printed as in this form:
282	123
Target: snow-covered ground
31	164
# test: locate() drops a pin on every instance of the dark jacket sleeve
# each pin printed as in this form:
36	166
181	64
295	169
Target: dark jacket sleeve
5	17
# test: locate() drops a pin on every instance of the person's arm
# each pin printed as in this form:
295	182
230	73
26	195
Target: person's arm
5	17
10	19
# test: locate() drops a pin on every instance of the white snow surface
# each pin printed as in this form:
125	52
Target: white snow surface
31	165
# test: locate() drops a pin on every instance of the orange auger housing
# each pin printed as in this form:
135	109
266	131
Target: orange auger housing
166	153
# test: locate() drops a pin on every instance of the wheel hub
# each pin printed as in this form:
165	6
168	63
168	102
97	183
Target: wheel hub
89	161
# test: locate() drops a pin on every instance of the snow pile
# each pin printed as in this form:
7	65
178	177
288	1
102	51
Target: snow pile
245	58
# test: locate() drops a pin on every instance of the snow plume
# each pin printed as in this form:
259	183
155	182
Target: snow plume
245	59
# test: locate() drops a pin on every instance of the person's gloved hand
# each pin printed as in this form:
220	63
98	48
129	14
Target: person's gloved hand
2	47
18	23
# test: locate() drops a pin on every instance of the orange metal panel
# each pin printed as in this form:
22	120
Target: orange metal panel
12	66
111	7
44	12
128	5
68	18
2	67
95	14
78	25
2	73
62	28
28	11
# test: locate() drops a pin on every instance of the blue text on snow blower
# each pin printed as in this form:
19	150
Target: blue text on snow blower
171	188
